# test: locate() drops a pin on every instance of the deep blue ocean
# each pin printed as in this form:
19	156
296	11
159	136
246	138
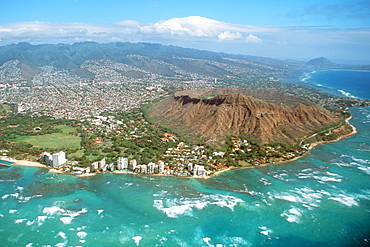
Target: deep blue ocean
322	199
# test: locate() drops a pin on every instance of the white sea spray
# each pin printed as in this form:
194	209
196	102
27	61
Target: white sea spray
66	220
265	230
29	223
347	200
292	215
184	206
207	241
137	240
52	210
81	234
41	220
62	235
19	221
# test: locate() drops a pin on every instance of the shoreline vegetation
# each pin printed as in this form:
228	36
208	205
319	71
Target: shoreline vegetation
311	147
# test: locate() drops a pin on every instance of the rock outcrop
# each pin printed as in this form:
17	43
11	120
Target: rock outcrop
264	116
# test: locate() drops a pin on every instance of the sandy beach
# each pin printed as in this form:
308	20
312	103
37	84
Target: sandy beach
23	162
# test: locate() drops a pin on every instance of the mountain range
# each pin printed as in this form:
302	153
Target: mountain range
144	59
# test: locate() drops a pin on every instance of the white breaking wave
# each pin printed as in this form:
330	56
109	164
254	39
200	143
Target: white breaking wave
137	240
347	94
19	221
345	200
307	197
184	206
265	230
292	215
307	76
66	220
70	215
81	234
51	210
41	220
320	175
64	237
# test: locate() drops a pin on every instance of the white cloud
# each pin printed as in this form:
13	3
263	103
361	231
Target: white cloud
130	23
253	39
146	29
197	32
188	28
227	35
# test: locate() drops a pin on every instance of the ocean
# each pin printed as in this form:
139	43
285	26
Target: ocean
322	199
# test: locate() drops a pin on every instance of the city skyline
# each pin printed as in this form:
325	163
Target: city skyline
338	30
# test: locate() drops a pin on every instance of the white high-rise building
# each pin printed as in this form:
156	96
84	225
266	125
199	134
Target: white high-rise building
102	164
144	168
47	158
151	167
161	167
122	163
59	159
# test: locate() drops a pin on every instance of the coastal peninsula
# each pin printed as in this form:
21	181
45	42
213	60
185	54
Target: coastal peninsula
182	158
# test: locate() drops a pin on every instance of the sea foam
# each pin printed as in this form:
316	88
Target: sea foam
345	200
292	215
184	206
137	240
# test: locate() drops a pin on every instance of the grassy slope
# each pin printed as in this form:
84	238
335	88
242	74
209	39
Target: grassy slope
56	140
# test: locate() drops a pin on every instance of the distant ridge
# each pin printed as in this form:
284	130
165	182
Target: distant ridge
322	62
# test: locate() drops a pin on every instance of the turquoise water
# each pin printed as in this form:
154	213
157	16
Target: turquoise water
322	199
3	162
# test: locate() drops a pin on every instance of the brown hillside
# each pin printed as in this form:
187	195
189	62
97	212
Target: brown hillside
266	117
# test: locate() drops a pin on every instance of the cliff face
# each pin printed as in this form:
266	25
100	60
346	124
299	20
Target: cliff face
216	117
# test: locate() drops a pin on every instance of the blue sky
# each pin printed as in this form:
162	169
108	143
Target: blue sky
339	30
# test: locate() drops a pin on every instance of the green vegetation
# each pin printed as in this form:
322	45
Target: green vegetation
56	141
5	108
27	136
